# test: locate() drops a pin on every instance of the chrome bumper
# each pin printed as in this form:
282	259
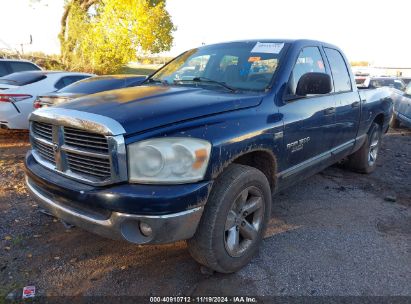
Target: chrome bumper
121	226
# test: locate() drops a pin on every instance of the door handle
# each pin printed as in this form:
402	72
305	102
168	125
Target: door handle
355	104
329	111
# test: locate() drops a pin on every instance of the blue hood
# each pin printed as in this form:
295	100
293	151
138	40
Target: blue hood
145	107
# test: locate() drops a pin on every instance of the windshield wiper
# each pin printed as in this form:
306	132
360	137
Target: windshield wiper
154	80
208	80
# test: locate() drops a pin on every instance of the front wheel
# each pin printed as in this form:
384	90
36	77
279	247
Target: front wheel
234	220
365	159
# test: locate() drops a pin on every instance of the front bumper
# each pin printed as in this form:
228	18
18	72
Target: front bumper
110	211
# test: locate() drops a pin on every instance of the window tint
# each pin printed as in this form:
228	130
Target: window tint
342	81
22	78
65	81
3	69
22	66
309	60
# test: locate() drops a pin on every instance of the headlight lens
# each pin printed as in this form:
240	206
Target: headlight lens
168	160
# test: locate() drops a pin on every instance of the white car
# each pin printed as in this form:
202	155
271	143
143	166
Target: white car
18	91
8	66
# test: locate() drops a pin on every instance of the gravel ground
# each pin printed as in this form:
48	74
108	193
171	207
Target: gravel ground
338	233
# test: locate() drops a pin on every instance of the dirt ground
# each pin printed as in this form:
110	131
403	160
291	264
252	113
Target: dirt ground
338	233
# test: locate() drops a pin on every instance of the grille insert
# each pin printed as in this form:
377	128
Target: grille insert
78	153
85	140
43	130
97	167
45	151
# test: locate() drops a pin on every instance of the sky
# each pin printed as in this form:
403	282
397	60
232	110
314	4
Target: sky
374	31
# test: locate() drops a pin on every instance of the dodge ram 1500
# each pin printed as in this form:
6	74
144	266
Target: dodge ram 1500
196	152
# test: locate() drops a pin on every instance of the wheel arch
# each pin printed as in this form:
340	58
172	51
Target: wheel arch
261	159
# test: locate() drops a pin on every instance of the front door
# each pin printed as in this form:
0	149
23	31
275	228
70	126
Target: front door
308	121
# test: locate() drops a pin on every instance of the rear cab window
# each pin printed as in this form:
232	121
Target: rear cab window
339	71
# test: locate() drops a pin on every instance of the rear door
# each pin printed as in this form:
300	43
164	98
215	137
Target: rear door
308	121
347	102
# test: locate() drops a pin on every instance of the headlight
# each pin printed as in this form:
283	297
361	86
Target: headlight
174	160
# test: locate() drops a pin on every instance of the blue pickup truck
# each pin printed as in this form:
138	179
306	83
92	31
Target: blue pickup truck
196	152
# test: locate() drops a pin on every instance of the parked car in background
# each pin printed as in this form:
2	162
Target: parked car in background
402	108
379	82
9	66
19	90
199	158
406	80
88	86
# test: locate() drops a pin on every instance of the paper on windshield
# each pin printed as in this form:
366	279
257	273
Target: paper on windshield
270	48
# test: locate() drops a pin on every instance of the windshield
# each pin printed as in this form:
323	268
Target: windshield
98	84
22	78
408	89
237	65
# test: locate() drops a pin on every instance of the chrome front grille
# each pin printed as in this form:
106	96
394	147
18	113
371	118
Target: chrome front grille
97	166
43	130
45	151
85	140
82	154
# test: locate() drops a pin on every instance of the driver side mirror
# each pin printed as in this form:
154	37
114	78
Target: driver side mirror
314	83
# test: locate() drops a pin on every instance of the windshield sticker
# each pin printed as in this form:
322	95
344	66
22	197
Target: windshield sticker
254	59
270	48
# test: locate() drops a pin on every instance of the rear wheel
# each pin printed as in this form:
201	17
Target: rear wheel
234	220
365	159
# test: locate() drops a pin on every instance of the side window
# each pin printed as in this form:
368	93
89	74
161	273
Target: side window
342	81
309	60
3	69
22	66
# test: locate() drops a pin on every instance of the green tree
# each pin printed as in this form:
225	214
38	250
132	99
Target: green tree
101	36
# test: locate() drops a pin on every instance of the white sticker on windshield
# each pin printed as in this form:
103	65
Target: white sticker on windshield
271	48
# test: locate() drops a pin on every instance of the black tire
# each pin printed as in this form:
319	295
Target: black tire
365	159
222	224
394	122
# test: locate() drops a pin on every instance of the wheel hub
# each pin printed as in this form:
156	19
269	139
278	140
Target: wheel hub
244	221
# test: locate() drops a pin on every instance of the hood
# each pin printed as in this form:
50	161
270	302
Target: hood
55	98
146	107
